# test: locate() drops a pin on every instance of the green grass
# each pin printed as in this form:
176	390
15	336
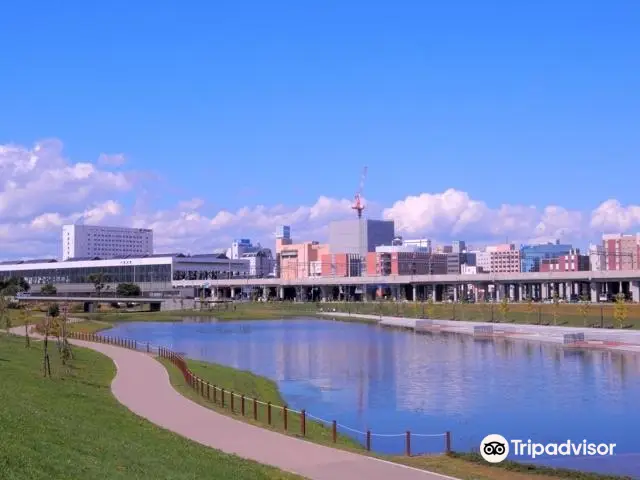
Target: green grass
564	314
464	466
251	386
71	426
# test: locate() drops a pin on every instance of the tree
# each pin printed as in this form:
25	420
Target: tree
128	290
48	289
620	310
555	311
5	318
52	313
25	316
14	285
430	308
585	305
98	280
504	308
530	308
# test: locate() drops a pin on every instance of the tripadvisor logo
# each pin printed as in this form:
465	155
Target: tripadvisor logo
495	448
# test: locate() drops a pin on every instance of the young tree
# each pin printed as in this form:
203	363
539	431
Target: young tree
585	305
5	318
98	280
25	317
52	313
430	308
555	312
504	308
530	308
620	310
65	351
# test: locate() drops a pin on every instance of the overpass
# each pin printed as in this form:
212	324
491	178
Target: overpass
154	302
515	285
520	277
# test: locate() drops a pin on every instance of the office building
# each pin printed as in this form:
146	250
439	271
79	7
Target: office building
420	242
597	258
621	251
531	256
297	260
571	262
504	258
86	241
345	236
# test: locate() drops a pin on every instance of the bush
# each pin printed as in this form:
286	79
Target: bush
128	290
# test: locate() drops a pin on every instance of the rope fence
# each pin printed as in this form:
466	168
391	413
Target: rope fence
289	419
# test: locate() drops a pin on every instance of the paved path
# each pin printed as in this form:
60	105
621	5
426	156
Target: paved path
142	385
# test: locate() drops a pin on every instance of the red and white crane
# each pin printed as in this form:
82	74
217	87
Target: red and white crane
358	204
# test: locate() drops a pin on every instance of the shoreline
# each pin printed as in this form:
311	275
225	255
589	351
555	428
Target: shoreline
603	339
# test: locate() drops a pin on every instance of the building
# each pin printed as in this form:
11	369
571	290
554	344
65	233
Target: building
297	260
154	273
531	256
458	246
571	262
421	242
81	241
341	265
260	262
621	251
597	258
483	261
405	260
344	236
504	258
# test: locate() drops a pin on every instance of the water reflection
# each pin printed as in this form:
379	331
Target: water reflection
366	376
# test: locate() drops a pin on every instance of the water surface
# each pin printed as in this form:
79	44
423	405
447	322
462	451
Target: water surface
389	381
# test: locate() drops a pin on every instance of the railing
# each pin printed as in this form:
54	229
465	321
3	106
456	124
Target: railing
258	410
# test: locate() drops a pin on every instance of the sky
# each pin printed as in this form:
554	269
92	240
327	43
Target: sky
482	121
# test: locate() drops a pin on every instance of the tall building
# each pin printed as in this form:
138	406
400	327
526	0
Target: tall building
531	256
344	236
504	258
597	258
297	260
80	241
621	251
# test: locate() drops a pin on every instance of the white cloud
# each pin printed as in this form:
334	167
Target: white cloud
112	160
42	190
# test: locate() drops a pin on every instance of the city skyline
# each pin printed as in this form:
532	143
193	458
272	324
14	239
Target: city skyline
482	123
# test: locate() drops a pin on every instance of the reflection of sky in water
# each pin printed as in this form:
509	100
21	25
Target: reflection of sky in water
365	376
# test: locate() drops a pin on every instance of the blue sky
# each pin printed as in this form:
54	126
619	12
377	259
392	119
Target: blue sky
245	103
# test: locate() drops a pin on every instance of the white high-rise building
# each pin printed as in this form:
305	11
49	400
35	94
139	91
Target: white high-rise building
80	241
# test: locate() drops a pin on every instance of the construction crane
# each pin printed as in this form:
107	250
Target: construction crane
358	206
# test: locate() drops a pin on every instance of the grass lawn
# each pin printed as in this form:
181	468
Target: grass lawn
462	466
71	426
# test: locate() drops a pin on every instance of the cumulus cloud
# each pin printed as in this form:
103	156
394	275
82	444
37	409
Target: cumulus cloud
112	160
42	190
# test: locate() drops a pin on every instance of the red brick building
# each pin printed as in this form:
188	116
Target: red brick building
406	263
621	252
573	262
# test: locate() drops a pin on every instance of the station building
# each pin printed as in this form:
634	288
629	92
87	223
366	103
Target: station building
155	274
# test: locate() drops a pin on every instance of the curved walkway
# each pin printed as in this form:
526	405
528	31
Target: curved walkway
142	385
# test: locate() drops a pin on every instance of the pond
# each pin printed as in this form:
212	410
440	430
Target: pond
389	381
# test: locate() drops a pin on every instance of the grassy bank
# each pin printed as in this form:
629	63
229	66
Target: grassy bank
596	315
462	466
566	314
71	426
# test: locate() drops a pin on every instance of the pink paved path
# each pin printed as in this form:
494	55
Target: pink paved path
142	385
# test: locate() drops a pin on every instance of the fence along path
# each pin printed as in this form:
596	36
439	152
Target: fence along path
142	384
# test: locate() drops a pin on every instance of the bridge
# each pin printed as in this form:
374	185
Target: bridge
154	302
493	278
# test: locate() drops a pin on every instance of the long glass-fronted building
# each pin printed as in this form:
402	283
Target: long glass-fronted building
151	272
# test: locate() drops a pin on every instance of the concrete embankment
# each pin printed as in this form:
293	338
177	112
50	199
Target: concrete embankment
613	339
